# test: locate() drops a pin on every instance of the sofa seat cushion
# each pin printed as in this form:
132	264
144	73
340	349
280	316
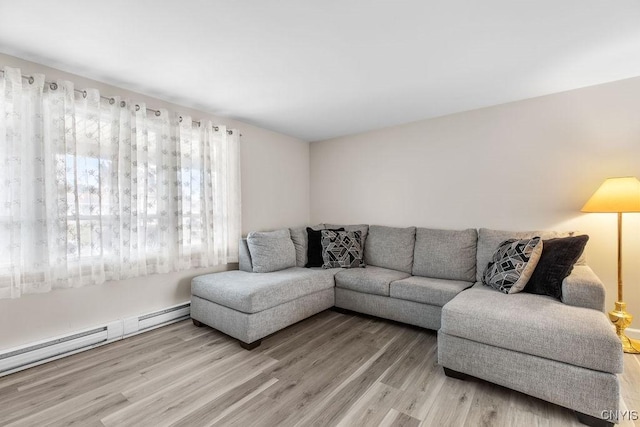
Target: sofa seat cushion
427	290
255	292
536	325
369	280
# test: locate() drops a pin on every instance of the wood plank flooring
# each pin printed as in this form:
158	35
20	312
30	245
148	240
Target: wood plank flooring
331	369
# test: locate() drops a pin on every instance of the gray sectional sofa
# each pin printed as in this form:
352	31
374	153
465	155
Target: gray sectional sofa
565	352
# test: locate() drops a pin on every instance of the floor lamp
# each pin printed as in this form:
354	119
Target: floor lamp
618	195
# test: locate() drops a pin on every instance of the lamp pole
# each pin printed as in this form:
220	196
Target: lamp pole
620	257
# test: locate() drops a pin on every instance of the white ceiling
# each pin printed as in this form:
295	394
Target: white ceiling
325	68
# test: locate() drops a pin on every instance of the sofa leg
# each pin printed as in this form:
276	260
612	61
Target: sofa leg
341	310
250	346
197	323
592	421
455	374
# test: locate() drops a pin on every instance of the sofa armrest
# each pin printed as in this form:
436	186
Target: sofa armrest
582	288
244	257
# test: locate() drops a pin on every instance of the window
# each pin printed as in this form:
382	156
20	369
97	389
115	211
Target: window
101	189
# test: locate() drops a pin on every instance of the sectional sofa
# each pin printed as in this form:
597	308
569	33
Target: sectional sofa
565	352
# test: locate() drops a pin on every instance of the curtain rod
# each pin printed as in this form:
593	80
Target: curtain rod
54	86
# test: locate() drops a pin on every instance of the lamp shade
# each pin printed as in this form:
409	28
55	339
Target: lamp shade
615	195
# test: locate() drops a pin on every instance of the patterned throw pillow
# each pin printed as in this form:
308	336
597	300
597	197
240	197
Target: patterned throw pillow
342	249
513	264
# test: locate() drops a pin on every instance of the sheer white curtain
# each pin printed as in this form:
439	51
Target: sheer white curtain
97	189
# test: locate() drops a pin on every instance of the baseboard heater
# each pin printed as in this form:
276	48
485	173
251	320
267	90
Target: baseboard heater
23	357
156	319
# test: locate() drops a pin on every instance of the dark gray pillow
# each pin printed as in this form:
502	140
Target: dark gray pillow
556	263
271	250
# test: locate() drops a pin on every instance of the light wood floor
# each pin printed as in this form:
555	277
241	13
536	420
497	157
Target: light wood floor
331	369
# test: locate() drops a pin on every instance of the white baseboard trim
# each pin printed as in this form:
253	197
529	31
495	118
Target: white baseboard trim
633	333
43	351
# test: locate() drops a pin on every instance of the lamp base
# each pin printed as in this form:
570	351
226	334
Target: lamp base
630	345
621	319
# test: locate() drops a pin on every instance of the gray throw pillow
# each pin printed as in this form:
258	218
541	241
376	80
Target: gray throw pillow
513	264
271	250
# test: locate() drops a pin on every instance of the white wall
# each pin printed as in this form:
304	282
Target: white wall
520	166
275	193
524	165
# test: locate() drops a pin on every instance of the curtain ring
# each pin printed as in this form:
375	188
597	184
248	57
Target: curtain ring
230	132
84	93
122	103
137	107
53	86
31	80
112	101
180	119
157	113
216	128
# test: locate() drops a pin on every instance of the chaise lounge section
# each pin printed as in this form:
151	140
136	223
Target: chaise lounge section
250	306
563	354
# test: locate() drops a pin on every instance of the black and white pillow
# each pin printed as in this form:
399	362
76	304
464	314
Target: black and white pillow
342	249
512	264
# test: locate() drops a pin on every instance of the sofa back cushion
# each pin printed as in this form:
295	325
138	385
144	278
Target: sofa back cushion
489	240
301	242
445	254
271	250
244	257
390	247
